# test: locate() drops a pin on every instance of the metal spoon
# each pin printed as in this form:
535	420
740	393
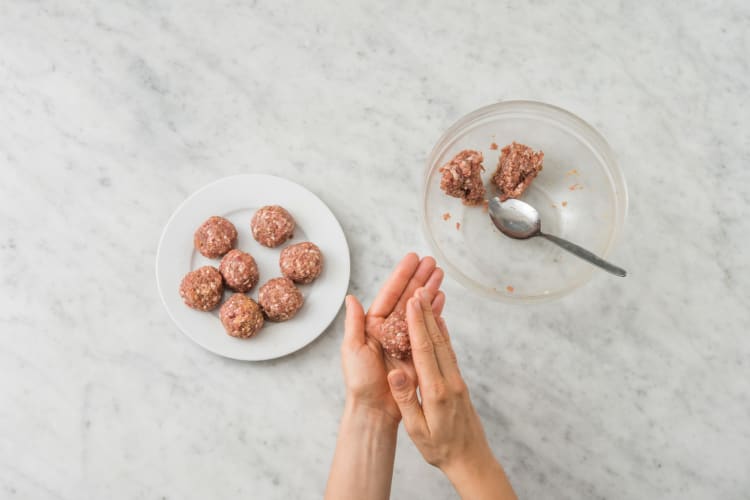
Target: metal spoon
521	221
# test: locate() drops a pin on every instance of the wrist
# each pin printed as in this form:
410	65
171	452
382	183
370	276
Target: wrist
471	469
359	412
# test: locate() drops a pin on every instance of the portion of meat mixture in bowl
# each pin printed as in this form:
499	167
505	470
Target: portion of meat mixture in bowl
201	289
241	316
280	299
215	237
301	263
517	167
239	270
272	225
394	335
462	177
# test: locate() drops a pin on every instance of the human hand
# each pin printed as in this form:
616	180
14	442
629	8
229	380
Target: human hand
409	275
363	462
445	427
364	366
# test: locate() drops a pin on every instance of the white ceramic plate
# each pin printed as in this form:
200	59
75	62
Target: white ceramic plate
237	198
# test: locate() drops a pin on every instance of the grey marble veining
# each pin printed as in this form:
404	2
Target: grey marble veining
113	112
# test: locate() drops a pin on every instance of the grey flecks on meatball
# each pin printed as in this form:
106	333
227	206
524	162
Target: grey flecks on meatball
272	225
517	167
201	289
394	335
215	237
301	263
239	270
280	299
241	316
462	177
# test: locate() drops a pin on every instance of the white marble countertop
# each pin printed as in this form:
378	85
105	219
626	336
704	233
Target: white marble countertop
112	113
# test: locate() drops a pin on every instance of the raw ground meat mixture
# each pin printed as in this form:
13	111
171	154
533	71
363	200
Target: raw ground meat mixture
280	299
517	167
201	289
241	316
272	225
239	270
215	237
301	263
394	335
462	177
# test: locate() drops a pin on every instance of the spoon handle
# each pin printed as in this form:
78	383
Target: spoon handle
585	255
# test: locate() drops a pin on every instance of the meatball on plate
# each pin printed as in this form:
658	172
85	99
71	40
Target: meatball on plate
301	263
249	264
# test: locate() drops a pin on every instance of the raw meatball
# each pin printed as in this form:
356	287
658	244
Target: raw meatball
301	263
280	299
518	166
394	335
241	316
462	177
215	237
272	225
239	270
201	289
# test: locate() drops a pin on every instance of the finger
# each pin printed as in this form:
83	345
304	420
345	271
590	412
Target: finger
354	326
451	367
394	287
425	298
423	273
444	354
435	280
422	351
404	392
406	365
444	328
438	303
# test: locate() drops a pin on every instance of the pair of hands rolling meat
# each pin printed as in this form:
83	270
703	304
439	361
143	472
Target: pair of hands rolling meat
444	424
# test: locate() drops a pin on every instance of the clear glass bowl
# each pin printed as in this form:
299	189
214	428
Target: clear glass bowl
580	195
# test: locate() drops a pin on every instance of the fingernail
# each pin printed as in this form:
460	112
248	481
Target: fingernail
346	301
398	379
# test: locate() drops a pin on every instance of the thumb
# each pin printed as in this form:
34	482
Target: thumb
354	325
405	394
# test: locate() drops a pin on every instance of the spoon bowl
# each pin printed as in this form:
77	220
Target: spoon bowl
515	218
519	220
